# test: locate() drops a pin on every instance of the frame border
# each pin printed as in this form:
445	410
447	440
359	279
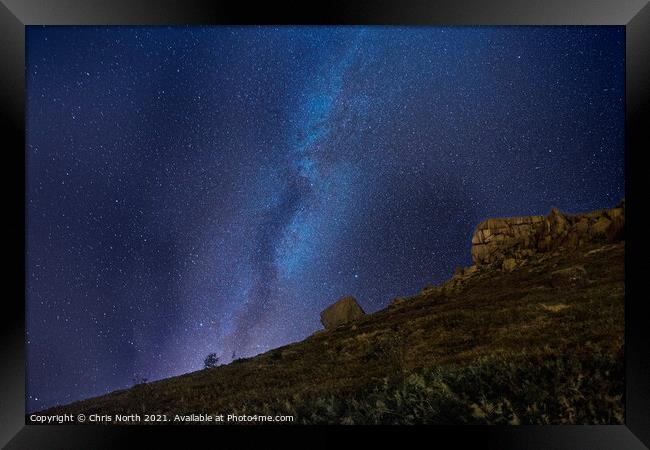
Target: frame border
633	14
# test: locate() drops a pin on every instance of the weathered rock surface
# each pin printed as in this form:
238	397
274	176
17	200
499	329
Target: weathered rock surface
509	264
343	311
509	241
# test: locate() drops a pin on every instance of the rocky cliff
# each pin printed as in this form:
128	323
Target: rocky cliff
506	242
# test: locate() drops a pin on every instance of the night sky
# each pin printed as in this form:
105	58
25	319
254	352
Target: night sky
197	190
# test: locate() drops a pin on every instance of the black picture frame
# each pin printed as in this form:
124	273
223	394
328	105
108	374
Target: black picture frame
16	14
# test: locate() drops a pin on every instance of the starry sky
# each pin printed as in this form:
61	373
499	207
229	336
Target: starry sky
211	189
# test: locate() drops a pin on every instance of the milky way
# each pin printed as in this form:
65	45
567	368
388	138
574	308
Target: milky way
194	190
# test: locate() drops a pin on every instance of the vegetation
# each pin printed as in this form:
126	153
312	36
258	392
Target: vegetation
501	348
212	360
496	390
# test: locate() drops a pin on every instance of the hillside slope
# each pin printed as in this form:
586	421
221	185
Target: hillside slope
536	341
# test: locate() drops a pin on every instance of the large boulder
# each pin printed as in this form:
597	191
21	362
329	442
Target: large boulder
343	311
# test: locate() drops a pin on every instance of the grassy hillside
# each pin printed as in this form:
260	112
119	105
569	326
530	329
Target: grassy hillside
540	344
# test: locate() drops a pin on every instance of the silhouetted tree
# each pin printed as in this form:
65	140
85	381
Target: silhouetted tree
140	391
211	361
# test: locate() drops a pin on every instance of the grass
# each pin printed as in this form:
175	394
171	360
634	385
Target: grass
495	390
504	348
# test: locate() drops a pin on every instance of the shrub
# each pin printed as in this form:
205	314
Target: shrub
212	360
500	389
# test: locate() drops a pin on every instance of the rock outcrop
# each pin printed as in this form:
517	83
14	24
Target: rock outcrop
505	242
340	313
503	245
